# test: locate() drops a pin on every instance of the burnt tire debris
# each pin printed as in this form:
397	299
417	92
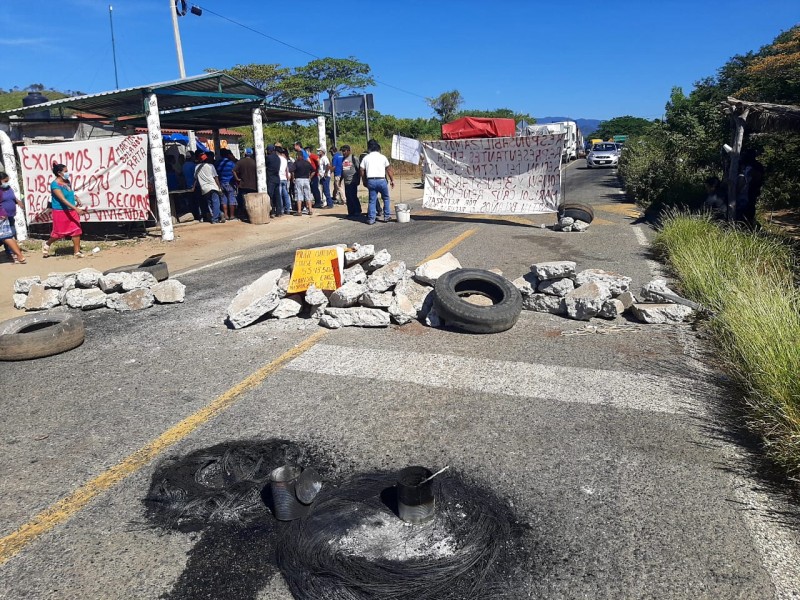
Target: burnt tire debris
451	289
39	335
350	545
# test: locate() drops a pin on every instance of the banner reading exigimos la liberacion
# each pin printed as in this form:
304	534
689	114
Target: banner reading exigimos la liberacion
501	176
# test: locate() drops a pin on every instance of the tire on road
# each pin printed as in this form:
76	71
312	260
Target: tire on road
455	311
576	210
40	334
159	270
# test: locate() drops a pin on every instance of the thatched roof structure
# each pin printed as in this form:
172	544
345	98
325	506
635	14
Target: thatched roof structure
763	117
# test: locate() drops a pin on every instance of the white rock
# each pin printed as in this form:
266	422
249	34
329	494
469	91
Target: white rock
315	296
558	269
255	300
356	274
23	284
661	313
627	299
566	228
616	282
544	303
111	299
611	309
359	254
376	299
496	271
169	291
556	287
586	301
347	295
527	284
19	301
41	298
419	295
402	309
580	226
111	282
70	283
56	280
137	280
87	278
283	283
288	307
429	272
359	316
565	221
650	291
381	259
386	277
329	322
137	299
85	299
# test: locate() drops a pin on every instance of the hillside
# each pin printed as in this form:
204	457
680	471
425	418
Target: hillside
9	100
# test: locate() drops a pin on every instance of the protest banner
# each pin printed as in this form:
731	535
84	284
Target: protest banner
109	176
501	176
406	149
320	266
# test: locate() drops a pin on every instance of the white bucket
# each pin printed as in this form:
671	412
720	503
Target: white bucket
403	212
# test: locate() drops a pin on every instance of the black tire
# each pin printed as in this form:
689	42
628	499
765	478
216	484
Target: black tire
460	314
159	270
576	210
40	334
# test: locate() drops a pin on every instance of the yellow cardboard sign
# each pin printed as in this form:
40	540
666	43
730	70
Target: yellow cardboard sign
319	266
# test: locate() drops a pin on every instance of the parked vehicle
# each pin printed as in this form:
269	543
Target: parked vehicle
605	154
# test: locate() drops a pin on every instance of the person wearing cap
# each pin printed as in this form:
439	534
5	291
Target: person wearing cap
325	176
274	181
225	168
336	167
206	178
375	168
246	180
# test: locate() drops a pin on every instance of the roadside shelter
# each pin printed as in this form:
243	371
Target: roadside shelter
211	101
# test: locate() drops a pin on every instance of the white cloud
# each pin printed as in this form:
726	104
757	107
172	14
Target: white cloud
22	41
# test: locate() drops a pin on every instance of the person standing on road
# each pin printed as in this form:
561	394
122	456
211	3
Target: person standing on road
274	181
283	155
245	174
302	187
325	177
8	240
67	211
298	147
9	203
314	179
375	168
350	177
206	178
336	168
228	191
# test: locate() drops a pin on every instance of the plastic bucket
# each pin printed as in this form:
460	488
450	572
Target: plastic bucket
403	212
258	207
415	502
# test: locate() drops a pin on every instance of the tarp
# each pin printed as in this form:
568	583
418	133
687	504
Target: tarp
477	127
406	149
504	176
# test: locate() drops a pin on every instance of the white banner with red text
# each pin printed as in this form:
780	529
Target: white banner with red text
109	176
500	176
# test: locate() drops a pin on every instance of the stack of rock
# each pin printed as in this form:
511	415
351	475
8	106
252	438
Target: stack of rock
557	288
567	224
89	289
375	292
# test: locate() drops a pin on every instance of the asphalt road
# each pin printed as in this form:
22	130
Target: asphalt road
617	449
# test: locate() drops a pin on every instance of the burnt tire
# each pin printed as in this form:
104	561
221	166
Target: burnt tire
40	334
576	210
455	311
159	270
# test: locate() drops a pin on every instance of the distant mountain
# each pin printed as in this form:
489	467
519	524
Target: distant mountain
586	125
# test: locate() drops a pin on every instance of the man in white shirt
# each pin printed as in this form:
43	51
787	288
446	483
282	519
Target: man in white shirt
325	176
374	169
206	178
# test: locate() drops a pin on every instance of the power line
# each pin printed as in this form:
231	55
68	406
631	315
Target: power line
288	45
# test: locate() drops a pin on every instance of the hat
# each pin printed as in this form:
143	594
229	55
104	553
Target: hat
248	151
320	149
271	147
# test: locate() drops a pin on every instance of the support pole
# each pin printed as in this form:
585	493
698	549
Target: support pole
258	150
366	116
159	168
733	170
323	138
10	166
333	116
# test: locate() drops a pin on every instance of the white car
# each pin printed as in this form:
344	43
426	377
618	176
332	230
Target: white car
603	155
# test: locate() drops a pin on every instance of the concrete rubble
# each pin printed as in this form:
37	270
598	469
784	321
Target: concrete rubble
568	224
428	272
89	289
255	300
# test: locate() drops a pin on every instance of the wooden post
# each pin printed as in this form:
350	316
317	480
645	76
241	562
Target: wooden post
733	170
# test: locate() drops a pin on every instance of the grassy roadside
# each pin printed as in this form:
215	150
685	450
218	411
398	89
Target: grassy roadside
749	280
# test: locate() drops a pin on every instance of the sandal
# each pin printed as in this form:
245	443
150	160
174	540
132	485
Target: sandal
79	255
20	261
45	249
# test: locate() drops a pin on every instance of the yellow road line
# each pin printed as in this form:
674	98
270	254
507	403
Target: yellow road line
65	508
450	245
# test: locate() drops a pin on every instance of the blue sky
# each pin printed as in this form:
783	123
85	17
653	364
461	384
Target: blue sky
580	59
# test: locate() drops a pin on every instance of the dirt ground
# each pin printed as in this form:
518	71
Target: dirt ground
195	244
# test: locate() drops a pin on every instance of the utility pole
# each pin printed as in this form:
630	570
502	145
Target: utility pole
174	10
113	44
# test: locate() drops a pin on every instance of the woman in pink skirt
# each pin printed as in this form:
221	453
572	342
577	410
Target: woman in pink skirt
66	212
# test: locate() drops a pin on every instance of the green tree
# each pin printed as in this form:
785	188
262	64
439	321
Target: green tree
333	76
626	125
446	105
497	113
270	78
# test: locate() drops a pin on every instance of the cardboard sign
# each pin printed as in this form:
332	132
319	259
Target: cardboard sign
109	176
406	149
501	176
320	266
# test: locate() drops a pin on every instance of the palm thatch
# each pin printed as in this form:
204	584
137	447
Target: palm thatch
762	117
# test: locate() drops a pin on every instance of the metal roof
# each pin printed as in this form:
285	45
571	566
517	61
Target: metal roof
208	98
